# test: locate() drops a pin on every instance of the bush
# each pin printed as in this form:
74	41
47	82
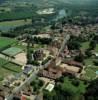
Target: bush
96	62
46	60
36	63
75	82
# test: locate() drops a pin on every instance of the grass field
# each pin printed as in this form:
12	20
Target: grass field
5	42
77	90
7	68
85	46
16	15
90	69
6	25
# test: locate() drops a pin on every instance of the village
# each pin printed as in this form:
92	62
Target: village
39	62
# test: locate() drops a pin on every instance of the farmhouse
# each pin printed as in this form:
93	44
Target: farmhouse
51	73
41	36
38	54
70	69
74	63
27	69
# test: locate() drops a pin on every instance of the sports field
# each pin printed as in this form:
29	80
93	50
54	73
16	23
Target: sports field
5	42
12	51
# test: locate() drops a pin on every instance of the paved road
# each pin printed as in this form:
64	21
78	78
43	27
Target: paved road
27	81
66	38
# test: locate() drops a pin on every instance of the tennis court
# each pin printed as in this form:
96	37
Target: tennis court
12	51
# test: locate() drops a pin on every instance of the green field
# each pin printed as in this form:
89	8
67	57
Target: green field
12	51
6	25
77	90
90	70
8	68
13	15
5	42
69	86
85	46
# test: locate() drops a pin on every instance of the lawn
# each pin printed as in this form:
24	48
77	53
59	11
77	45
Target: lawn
2	61
90	69
90	73
13	67
68	86
7	68
76	90
85	46
6	42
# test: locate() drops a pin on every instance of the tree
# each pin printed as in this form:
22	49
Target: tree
61	30
88	53
29	55
96	62
92	45
75	82
53	26
41	83
79	58
74	45
92	91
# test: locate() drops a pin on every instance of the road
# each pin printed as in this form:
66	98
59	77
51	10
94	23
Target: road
19	88
66	38
27	81
34	74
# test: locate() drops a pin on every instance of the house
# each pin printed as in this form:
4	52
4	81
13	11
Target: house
70	69
74	63
51	73
27	69
38	54
42	36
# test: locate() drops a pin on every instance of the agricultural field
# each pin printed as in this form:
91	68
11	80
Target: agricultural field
6	42
5	9
7	25
13	15
8	68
